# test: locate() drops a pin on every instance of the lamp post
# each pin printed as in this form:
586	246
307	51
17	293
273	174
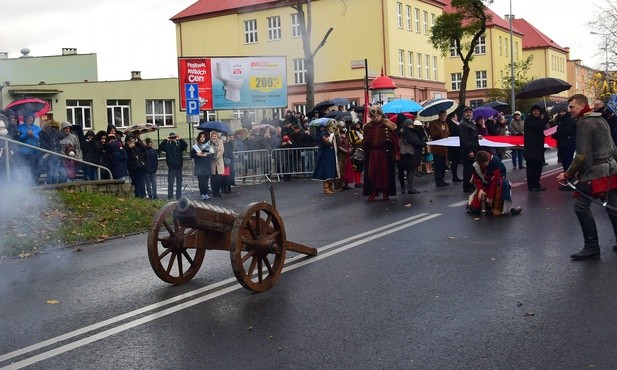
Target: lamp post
605	52
512	79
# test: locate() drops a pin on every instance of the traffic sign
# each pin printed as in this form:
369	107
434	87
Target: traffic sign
191	91
192	107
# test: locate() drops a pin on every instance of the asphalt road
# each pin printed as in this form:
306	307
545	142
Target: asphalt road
413	282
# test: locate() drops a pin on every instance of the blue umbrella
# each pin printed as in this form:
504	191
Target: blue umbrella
319	121
401	106
431	109
215	125
340	101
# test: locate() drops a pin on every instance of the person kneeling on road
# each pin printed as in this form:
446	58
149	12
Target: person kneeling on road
493	190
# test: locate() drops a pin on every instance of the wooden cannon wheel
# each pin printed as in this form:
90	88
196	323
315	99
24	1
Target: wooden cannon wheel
175	252
258	247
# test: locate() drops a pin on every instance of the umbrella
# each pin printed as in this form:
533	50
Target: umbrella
257	128
431	109
345	116
142	128
323	105
340	101
34	106
332	114
500	106
214	125
543	87
401	106
558	108
319	121
484	112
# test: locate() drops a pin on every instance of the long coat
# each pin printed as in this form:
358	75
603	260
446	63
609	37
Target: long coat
202	165
534	138
218	164
325	163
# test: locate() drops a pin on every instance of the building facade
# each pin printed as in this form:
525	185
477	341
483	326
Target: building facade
390	35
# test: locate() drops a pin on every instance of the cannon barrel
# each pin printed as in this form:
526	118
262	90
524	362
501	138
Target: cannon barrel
203	216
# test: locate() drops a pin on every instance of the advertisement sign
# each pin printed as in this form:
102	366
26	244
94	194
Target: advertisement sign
235	82
195	71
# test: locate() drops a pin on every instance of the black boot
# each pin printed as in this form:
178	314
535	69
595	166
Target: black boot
590	235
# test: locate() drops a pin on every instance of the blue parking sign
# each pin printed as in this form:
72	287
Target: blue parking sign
192	107
191	91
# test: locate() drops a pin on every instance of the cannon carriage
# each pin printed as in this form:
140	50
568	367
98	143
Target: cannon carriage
182	231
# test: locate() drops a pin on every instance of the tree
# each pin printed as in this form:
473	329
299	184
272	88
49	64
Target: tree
521	67
305	21
604	26
468	20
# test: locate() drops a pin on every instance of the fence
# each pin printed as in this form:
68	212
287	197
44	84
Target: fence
255	165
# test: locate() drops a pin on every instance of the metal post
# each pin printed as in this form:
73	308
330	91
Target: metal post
512	78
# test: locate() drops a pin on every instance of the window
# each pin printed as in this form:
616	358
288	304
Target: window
119	113
501	80
417	19
295	26
401	62
250	31
274	28
79	112
425	22
300	108
399	15
427	65
435	68
160	112
408	18
506	46
481	46
419	65
481	80
516	50
453	47
456	80
499	46
433	18
411	64
299	71
476	103
209	115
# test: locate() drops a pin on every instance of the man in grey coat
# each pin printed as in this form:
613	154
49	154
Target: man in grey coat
596	171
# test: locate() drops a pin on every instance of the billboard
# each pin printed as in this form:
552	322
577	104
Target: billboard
234	82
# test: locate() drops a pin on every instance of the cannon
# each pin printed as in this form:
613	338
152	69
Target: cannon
182	231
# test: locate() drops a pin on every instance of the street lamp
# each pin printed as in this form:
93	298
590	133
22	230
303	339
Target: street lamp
512	92
605	52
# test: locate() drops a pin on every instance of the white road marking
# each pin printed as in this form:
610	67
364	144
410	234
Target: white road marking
363	238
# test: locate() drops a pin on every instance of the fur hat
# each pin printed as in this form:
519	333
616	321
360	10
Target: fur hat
52	123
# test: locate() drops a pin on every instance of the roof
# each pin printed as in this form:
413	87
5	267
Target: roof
534	39
204	7
495	20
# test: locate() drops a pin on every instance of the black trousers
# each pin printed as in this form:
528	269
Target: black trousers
534	172
439	165
467	171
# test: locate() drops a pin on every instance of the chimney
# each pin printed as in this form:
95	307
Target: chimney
69	51
4	55
135	75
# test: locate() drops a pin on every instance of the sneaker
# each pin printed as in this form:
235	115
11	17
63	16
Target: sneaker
205	197
516	211
457	179
587	254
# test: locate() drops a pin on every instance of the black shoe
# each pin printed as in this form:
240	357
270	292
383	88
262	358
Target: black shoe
522	167
441	184
514	211
586	254
456	179
615	248
468	190
413	191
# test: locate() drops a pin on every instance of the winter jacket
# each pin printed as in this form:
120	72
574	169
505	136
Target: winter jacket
117	159
152	160
173	152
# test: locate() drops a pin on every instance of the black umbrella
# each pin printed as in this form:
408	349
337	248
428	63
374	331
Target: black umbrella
500	106
340	101
214	125
558	108
543	87
323	105
332	114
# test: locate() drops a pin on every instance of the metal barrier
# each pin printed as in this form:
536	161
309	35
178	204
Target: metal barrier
7	163
253	164
293	161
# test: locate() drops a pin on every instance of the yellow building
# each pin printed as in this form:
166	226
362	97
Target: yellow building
581	78
490	64
549	59
391	35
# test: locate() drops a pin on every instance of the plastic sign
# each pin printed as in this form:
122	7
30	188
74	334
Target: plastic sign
234	82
